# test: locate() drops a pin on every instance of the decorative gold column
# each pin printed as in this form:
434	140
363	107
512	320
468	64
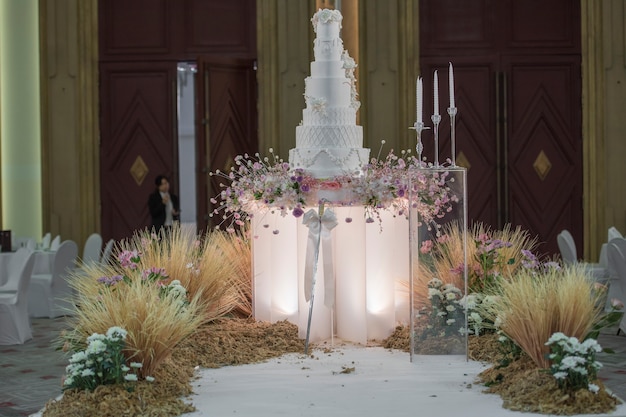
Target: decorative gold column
594	231
610	65
389	61
69	90
284	44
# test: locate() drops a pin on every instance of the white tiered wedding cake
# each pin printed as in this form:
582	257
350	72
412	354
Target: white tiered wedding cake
328	141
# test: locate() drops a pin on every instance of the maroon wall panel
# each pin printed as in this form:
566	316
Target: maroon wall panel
518	89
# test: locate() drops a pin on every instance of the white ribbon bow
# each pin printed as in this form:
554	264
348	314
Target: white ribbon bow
319	232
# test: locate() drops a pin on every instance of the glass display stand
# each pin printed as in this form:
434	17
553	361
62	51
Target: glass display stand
438	259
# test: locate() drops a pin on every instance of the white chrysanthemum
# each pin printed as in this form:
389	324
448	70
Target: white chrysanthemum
136	365
450	321
150	378
80	356
96	336
476	317
68	381
450	308
571	362
556	337
87	372
560	375
592	344
96	347
130	377
116	333
593	388
432	292
125	368
450	296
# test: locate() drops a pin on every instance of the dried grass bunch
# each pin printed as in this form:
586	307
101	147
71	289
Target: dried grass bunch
530	308
444	257
120	294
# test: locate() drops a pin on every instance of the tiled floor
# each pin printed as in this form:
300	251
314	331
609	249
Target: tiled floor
30	374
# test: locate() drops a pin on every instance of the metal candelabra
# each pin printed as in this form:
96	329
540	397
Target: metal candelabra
436	118
452	112
419	147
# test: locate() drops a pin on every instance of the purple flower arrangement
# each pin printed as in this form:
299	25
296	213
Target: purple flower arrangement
258	184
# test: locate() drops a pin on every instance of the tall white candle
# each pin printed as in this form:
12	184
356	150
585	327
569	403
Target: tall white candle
436	94
451	80
419	99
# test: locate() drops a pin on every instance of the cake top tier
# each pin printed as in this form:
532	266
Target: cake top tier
326	23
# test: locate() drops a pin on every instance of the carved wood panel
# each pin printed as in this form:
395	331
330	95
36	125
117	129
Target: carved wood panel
141	42
228	126
138	144
528	96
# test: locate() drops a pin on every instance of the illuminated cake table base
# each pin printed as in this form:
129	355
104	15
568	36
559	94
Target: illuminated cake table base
371	275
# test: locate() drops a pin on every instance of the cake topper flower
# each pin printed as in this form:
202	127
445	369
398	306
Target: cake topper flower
326	16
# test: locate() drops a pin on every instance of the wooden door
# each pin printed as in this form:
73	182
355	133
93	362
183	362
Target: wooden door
226	123
138	129
518	90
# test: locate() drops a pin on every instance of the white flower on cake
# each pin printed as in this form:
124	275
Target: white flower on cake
349	65
326	16
348	62
317	104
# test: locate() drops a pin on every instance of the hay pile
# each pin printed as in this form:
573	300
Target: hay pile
521	384
224	342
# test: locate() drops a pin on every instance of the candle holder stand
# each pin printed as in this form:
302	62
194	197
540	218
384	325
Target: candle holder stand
436	118
419	147
452	112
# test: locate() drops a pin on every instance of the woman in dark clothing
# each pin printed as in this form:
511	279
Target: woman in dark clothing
163	205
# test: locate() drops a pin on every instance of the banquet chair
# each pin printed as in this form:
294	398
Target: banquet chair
617	267
49	294
613	233
91	250
31	244
567	247
56	242
14	321
106	253
45	241
14	270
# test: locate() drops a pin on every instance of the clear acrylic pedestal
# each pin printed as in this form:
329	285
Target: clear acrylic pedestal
438	280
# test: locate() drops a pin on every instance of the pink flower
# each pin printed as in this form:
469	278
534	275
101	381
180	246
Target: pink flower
330	185
129	259
426	247
617	304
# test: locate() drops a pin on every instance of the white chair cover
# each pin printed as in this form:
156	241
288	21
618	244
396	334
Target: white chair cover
31	244
45	241
91	250
49	294
613	234
14	321
56	242
14	270
106	253
616	253
567	247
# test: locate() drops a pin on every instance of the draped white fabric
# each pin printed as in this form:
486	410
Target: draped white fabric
370	266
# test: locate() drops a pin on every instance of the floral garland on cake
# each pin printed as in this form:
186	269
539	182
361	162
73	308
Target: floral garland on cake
260	184
349	65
